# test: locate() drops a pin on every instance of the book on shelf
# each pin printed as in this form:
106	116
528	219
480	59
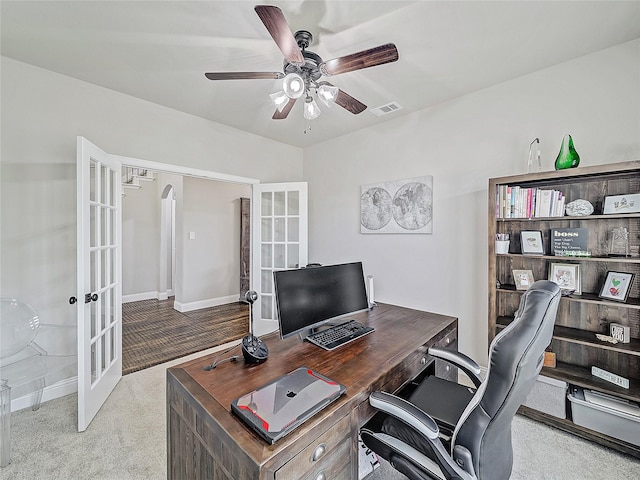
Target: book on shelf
521	202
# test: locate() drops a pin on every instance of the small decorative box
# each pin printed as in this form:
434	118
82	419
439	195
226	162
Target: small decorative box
620	332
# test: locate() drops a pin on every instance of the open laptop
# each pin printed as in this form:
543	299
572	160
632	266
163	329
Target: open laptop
278	407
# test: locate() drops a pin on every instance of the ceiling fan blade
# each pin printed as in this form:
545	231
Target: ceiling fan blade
277	26
244	75
349	103
285	111
364	59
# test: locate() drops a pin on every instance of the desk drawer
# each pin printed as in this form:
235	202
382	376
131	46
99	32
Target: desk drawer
319	454
335	466
444	369
419	360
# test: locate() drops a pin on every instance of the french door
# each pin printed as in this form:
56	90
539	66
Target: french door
98	278
279	242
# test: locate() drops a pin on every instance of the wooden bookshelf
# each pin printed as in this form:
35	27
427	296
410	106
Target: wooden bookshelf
579	317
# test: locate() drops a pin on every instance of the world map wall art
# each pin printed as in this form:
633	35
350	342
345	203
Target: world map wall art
401	206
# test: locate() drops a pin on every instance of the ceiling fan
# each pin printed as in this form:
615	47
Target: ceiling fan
303	70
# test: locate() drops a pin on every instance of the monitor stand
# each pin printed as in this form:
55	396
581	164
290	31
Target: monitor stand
325	326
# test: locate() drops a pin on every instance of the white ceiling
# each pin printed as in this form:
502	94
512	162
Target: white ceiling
160	50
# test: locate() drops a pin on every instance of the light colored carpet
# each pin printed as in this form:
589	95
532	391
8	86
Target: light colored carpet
127	441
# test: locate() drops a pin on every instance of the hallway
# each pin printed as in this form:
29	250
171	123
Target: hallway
153	332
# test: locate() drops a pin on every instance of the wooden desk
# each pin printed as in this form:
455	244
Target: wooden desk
206	441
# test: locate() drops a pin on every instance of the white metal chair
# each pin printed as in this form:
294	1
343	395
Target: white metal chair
26	367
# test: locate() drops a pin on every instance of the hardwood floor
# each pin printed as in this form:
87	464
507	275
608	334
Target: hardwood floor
153	332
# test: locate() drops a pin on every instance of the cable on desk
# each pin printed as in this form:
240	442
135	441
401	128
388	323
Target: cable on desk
217	360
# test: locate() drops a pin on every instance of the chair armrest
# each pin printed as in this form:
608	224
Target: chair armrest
460	360
422	423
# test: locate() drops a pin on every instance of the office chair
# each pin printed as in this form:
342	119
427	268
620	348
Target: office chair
480	444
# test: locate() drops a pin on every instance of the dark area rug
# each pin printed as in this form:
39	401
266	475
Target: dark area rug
153	332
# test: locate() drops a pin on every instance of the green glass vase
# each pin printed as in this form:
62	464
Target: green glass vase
568	157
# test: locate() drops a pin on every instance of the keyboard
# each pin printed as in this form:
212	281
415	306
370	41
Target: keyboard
338	335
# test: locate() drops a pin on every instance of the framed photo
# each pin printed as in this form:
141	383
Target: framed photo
523	279
531	242
621	204
566	275
616	286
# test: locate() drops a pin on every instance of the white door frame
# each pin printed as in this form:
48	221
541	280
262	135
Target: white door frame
185	171
167	258
182	171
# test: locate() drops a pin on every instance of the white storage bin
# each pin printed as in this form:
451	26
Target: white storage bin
610	421
549	396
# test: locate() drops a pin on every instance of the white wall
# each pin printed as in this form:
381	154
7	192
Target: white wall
211	261
140	239
209	264
463	143
42	113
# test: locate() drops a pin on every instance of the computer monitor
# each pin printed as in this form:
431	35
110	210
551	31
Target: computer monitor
308	297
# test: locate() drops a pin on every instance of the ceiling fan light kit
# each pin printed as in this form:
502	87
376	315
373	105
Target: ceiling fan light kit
279	99
327	93
302	69
311	109
293	85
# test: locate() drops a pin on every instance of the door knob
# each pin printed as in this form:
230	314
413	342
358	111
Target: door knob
89	297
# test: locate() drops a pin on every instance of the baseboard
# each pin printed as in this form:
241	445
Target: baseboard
136	297
211	302
57	390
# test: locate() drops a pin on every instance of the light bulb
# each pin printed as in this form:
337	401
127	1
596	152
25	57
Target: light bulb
279	99
311	109
293	85
328	94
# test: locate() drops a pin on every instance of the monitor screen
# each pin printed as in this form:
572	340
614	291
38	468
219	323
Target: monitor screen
309	297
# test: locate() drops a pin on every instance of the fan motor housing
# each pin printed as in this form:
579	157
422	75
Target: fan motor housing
310	68
303	38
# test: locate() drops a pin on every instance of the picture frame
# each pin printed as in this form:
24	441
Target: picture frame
523	279
531	242
566	276
617	204
616	286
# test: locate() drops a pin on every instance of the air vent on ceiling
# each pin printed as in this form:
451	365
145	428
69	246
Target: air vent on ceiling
386	109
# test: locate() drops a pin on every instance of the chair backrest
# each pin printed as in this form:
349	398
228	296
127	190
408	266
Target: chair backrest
483	433
19	325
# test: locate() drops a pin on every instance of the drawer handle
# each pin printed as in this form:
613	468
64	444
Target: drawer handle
318	453
423	361
321	476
